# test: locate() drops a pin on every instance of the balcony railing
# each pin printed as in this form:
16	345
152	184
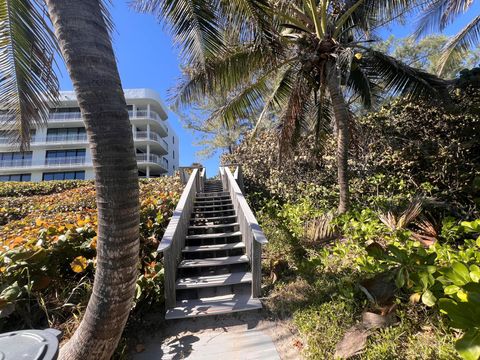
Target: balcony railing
141	135
62	138
16	163
143	114
67	161
49	162
62	116
50	139
66	116
152	158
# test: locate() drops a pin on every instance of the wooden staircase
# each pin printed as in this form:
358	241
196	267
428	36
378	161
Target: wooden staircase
213	266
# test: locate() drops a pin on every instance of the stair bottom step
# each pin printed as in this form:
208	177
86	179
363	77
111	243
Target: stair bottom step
213	306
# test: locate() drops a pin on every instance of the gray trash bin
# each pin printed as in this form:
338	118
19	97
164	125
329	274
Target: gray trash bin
30	344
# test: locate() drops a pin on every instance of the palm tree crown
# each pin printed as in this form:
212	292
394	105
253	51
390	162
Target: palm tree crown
296	58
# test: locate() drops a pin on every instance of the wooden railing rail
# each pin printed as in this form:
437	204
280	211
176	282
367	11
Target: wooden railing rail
173	240
185	172
253	236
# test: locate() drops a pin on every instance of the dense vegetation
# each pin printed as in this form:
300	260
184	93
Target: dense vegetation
47	254
406	255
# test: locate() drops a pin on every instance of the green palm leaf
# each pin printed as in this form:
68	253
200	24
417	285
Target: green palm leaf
399	78
359	82
248	17
193	24
28	83
222	74
469	36
438	14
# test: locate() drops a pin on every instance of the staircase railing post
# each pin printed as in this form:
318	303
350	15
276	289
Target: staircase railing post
256	269
169	278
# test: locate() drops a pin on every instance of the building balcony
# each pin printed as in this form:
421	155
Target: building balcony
156	142
152	160
75	118
143	116
67	162
49	140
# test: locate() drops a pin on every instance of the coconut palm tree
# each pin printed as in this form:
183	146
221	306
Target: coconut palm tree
437	15
27	89
295	57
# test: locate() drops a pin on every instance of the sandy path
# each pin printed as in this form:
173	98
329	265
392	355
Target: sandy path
242	336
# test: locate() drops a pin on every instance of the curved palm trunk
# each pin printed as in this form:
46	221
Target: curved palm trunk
86	46
342	117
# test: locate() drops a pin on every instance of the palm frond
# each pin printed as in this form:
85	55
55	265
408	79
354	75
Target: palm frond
322	116
438	14
246	104
107	16
248	101
386	10
431	18
398	78
468	37
361	85
28	84
221	74
193	24
293	117
368	14
249	17
278	98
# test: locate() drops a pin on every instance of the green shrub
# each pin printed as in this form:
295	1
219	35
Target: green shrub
47	253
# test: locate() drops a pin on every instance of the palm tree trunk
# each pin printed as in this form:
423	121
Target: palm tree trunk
342	117
84	40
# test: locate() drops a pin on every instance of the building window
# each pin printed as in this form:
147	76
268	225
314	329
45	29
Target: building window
173	139
174	154
56	134
16	158
16	155
16	177
58	157
76	153
66	175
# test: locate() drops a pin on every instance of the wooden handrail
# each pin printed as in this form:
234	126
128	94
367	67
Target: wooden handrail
173	240
259	236
252	234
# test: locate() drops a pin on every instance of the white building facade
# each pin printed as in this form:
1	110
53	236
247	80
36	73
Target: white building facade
60	150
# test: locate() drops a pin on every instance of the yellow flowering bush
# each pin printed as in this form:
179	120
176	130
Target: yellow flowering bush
48	246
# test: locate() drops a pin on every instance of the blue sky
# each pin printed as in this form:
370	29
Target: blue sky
147	58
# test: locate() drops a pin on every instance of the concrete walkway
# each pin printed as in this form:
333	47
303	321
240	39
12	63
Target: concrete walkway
243	336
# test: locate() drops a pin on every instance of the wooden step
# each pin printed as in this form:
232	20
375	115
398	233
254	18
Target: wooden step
214	280
212	198
212	206
218	261
213	211
213	193
225	201
213	218
213	236
216	247
213	306
194	227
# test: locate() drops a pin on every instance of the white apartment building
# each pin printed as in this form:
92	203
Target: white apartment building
60	151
